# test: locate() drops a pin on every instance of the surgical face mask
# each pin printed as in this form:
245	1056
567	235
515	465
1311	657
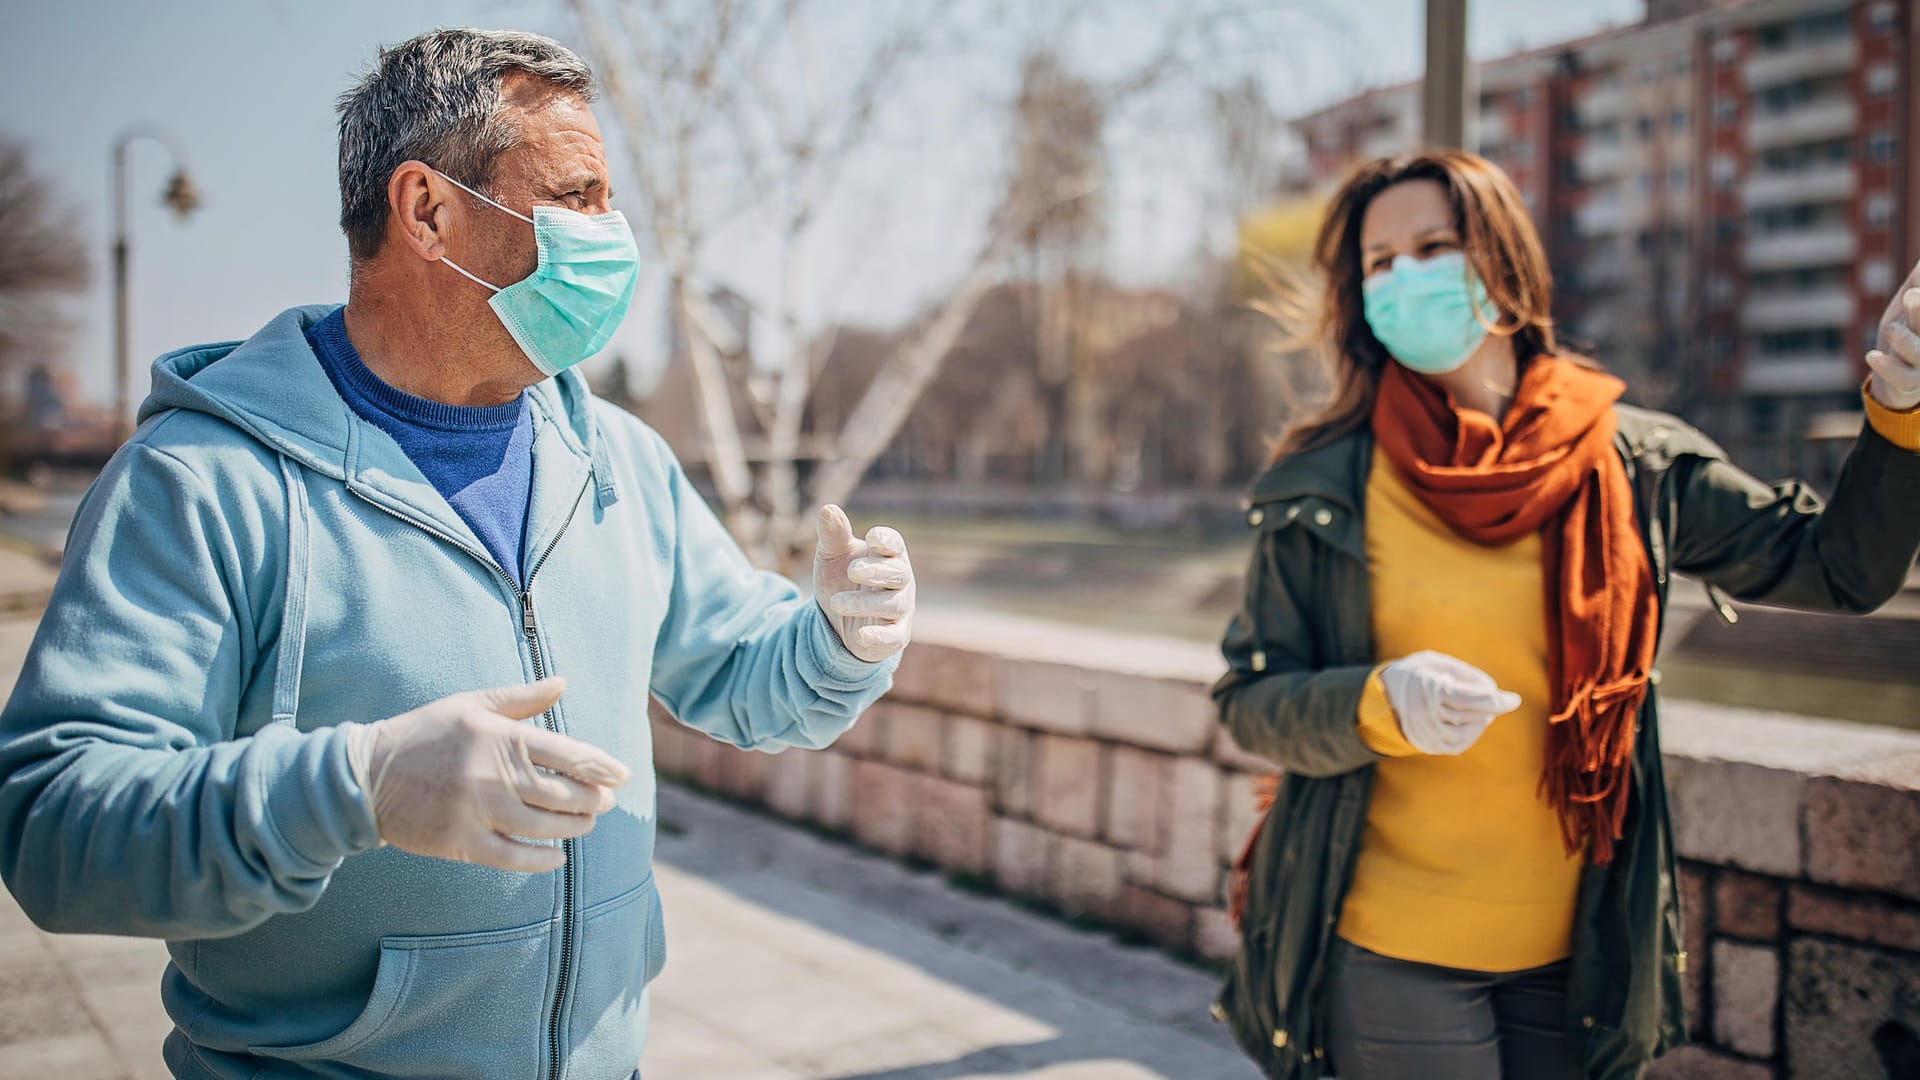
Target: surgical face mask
578	293
1431	314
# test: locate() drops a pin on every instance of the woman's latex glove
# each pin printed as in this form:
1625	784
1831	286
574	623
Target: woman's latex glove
1443	704
1896	363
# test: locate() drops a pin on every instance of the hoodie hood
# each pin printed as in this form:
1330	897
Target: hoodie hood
272	387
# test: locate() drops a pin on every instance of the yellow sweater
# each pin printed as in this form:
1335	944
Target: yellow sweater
1461	864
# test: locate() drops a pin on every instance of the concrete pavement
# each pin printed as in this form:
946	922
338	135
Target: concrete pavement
790	958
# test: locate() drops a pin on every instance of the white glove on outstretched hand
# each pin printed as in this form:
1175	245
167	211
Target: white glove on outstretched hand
865	587
1443	704
1896	365
461	777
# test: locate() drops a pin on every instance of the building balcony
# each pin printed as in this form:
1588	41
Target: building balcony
1492	129
1776	66
1388	142
1830	118
1600	162
1601	105
1824	184
1809	373
1797	309
1600	219
1828	245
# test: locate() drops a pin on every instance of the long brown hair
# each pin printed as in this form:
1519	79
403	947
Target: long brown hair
1501	245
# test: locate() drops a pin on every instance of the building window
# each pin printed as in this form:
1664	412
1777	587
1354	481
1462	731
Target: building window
1725	50
1881	79
1522	151
1876	277
1879	210
1682	63
1521	98
1677	178
1881	16
1881	146
1678	120
1725	111
1725	171
1725	231
1647	71
1646	128
1645	183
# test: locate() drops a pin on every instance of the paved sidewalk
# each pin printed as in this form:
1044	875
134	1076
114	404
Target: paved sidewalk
790	958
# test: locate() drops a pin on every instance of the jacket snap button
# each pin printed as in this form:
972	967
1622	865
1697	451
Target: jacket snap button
1293	512
1280	1039
1586	1021
1256	517
1219	1014
1323	517
1259	661
1654	676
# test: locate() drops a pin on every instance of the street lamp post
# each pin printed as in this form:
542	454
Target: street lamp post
183	198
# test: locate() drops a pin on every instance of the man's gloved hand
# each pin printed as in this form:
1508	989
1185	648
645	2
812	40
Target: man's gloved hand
461	777
1443	704
1896	363
865	587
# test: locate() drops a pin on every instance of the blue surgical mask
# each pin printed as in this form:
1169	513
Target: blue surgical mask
1431	314
578	293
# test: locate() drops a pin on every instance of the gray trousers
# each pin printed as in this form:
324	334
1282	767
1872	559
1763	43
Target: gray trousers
1395	1020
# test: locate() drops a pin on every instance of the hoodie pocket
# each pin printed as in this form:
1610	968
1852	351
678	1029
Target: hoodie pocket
447	1005
622	948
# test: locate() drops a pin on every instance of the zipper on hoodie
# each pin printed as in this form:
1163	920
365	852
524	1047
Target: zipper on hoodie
530	629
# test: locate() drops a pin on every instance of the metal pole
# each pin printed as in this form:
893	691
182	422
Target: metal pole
1444	91
122	377
183	198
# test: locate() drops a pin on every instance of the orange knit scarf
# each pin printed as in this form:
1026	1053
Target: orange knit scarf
1550	467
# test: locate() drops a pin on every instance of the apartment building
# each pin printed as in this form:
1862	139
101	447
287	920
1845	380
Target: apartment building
1809	204
1728	192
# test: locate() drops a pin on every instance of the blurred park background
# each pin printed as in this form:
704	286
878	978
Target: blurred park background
994	269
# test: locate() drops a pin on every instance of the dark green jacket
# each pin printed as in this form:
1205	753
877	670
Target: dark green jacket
1301	649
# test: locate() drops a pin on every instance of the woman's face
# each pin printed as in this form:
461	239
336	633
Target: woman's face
1413	218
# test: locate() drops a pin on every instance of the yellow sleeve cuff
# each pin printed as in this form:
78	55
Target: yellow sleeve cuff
1379	728
1902	429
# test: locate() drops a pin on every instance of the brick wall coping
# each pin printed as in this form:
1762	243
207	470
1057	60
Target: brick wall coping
1700	731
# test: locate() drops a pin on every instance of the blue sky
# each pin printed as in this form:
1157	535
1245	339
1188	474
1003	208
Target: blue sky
247	88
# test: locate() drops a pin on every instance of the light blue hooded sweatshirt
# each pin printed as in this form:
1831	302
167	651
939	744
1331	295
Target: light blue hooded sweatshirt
259	565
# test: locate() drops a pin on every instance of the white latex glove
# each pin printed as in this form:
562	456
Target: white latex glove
864	586
1443	704
1896	364
462	777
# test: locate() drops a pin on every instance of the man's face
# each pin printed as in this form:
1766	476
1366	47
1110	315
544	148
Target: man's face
559	161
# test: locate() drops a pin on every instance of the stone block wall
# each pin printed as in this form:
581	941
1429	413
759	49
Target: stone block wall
1084	771
1800	884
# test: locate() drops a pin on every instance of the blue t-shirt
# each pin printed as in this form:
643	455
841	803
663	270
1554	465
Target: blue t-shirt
480	458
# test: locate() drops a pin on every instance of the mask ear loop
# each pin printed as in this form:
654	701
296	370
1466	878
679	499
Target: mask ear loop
482	198
470	277
456	266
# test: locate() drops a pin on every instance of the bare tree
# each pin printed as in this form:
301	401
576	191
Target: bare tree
40	260
731	107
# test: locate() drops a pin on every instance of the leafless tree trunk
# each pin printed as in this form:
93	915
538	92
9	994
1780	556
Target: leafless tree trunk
690	83
40	259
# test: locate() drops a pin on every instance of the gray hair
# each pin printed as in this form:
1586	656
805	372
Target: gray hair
436	98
